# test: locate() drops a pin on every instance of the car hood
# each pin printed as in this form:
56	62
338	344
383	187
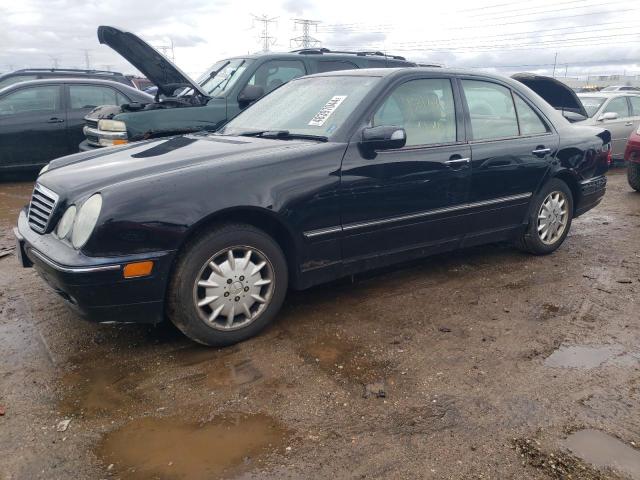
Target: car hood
155	66
89	172
556	93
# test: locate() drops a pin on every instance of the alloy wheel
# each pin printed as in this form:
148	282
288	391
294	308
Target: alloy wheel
552	217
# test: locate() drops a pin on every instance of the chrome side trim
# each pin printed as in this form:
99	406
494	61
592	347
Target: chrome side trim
437	211
61	268
322	231
464	206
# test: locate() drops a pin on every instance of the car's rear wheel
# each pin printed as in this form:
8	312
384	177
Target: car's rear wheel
633	175
229	283
550	215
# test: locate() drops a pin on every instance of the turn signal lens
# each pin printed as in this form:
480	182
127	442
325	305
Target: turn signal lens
120	142
137	269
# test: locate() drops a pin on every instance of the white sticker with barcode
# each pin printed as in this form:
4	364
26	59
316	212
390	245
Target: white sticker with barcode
326	111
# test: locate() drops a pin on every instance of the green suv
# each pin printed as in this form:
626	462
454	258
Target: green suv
183	105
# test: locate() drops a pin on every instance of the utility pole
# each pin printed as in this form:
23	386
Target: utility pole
555	60
305	40
267	40
87	58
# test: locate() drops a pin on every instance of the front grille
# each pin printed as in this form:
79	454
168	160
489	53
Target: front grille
91	123
43	204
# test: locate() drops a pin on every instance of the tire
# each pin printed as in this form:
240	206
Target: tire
633	175
533	239
205	270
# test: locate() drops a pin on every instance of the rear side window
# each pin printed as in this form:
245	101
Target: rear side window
41	99
491	109
635	106
424	108
333	66
618	105
90	96
530	121
271	74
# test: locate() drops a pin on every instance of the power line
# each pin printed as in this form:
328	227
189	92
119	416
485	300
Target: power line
305	40
266	39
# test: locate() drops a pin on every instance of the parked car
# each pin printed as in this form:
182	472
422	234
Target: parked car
45	73
617	112
632	157
329	175
43	119
620	88
229	86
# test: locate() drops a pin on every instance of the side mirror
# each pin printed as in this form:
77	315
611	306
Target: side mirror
573	116
608	116
250	94
383	138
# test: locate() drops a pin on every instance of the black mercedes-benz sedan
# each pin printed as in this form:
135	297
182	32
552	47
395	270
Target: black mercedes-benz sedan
329	175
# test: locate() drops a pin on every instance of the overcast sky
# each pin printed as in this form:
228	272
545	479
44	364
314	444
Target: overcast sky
589	36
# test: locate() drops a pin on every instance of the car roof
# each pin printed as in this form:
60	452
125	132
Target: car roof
387	72
617	93
61	71
84	81
326	56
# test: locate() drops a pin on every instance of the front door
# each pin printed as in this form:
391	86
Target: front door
411	197
511	149
620	127
32	126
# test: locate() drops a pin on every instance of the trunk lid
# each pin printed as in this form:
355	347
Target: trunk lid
556	93
157	68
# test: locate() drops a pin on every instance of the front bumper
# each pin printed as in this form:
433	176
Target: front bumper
95	287
591	193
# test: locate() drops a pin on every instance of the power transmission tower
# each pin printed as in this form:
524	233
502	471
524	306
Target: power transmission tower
87	58
305	40
54	61
167	50
266	39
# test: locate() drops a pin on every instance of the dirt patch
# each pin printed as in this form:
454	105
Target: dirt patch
176	448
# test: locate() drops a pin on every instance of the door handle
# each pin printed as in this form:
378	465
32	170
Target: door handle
541	151
55	120
457	162
628	124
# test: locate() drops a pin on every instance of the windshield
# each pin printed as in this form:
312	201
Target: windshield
222	76
592	104
315	106
609	89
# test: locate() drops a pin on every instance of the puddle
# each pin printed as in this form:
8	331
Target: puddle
13	196
219	375
604	451
173	448
338	356
586	357
100	390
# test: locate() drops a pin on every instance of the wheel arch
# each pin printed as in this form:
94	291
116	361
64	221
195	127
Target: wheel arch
261	218
570	179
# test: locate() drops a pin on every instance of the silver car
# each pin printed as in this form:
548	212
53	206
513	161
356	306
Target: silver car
618	112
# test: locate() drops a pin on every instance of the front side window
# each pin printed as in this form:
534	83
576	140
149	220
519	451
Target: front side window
40	99
270	75
424	108
618	105
91	96
491	109
310	106
530	121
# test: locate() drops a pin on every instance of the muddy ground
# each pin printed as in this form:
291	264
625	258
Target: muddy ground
485	363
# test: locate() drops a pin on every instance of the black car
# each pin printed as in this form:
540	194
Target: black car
184	105
26	74
44	119
329	175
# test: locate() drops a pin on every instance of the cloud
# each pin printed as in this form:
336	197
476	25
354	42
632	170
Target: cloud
297	7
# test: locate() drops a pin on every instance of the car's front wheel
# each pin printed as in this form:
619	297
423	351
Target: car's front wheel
633	175
550	215
229	283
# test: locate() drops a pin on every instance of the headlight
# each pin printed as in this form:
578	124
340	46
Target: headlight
112	126
86	220
66	222
44	169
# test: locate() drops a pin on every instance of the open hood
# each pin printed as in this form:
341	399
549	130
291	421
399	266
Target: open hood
148	60
556	93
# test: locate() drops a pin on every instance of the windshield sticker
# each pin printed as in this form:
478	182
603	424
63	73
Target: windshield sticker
326	111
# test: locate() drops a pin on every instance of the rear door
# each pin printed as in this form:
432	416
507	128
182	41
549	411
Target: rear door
634	101
620	127
81	99
511	149
32	126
